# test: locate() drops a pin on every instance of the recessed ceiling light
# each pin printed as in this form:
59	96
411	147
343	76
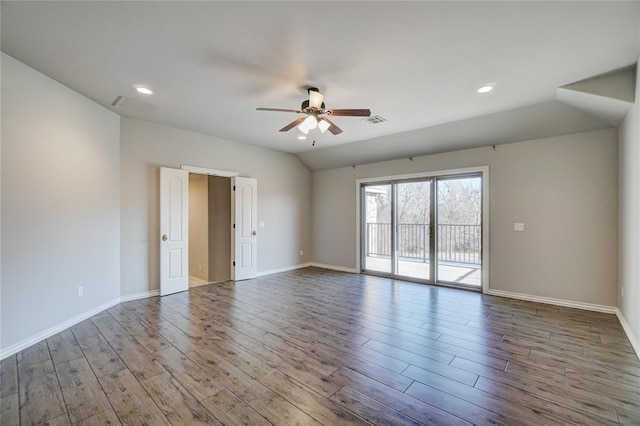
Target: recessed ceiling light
301	137
486	88
143	89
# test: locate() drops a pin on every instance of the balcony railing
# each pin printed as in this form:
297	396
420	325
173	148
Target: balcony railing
456	243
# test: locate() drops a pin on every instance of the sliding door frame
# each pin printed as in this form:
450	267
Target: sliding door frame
480	170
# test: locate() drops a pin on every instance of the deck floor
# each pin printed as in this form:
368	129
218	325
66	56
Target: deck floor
315	347
458	273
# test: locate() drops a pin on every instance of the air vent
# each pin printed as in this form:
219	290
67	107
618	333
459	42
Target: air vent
374	119
133	105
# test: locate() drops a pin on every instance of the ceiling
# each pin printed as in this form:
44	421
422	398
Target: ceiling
416	64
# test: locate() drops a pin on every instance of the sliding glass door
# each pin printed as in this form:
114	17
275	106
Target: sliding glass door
414	229
459	218
377	213
427	230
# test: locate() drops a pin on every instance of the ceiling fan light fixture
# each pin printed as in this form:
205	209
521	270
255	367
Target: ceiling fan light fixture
304	129
315	98
323	125
310	122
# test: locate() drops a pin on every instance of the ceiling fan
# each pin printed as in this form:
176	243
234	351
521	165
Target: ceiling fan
317	115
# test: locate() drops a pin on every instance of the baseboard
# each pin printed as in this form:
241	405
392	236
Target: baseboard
334	268
552	301
141	295
627	329
285	269
24	344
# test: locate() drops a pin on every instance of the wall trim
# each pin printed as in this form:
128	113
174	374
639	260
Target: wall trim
142	295
285	269
38	337
334	267
553	301
627	330
23	344
206	171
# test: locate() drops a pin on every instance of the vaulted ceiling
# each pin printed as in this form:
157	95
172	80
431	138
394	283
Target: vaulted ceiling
416	64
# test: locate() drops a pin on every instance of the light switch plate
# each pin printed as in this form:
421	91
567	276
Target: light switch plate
518	227
261	224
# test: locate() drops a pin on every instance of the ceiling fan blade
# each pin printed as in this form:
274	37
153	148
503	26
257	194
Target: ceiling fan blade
293	124
333	128
278	109
315	99
350	112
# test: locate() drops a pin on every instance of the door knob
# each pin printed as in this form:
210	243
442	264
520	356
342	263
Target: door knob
164	237
254	233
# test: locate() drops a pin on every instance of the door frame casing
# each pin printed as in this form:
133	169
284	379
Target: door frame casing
210	172
483	170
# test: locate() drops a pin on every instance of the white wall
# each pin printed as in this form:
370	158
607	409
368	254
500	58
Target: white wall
629	217
60	203
564	189
284	199
199	226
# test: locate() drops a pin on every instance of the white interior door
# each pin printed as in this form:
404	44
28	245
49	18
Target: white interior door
244	239
174	230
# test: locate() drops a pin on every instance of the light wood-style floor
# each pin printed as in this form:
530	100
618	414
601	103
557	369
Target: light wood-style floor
319	347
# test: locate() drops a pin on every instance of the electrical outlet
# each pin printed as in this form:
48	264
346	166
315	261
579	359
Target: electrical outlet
301	252
80	291
200	267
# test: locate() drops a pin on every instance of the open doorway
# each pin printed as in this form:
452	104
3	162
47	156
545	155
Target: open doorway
209	225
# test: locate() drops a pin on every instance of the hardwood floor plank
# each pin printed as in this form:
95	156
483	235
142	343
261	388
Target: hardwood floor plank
322	409
100	355
417	360
105	418
573	395
278	411
517	413
245	361
230	410
81	390
142	363
228	375
176	403
10	410
64	347
130	401
451	404
39	391
371	410
8	376
519	396
628	418
190	375
33	354
424	412
84	329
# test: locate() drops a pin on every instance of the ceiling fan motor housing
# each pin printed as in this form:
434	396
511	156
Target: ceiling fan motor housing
308	109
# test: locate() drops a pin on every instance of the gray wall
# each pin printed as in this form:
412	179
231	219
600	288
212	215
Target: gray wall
60	203
629	231
564	189
219	228
284	196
